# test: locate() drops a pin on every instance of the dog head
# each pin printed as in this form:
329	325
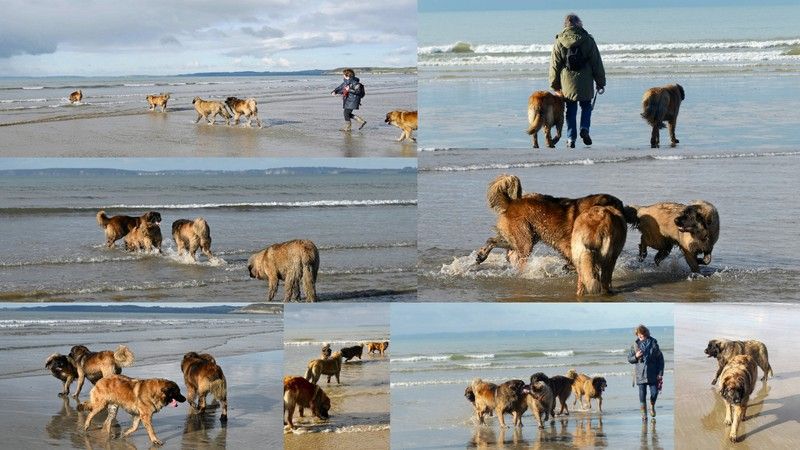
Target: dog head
166	96
385	345
714	348
539	376
680	89
152	217
195	100
572	374
77	351
599	384
389	117
320	404
171	392
691	220
231	102
469	394
252	267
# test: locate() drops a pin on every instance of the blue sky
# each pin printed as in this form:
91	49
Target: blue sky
156	37
465	317
299	318
150	164
483	5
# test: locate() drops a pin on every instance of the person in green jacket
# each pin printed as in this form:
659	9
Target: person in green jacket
575	70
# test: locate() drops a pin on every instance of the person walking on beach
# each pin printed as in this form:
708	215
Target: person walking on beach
575	70
351	91
649	370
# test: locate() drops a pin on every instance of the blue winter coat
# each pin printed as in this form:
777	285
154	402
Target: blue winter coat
350	101
650	365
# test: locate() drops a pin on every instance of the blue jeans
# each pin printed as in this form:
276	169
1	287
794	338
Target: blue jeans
643	392
572	113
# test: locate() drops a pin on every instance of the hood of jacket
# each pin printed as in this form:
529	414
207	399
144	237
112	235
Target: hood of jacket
571	36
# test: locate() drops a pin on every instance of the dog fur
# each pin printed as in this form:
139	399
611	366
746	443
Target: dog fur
158	100
247	108
117	227
330	367
146	236
209	110
724	350
593	388
140	398
694	228
100	364
299	392
291	261
661	104
598	237
489	398
578	379
202	376
405	120
737	382
545	110
189	235
379	347
561	387
351	352
541	402
76	96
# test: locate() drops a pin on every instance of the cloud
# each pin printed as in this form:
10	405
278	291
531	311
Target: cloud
263	32
169	40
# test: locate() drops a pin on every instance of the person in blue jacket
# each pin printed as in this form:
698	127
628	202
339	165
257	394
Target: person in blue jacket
351	91
649	369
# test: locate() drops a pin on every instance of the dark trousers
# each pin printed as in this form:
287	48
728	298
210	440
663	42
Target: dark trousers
348	114
643	392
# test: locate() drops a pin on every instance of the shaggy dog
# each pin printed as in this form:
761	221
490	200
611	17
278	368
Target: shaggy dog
377	347
330	367
76	96
352	352
737	382
507	398
247	108
326	351
117	227
545	110
724	350
189	235
661	104
541	401
158	100
209	109
146	236
299	392
578	379
96	365
598	238
140	398
693	227
292	261
405	120
522	221
62	368
202	375
560	386
593	388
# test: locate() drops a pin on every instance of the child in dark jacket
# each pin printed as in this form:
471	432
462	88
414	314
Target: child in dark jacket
649	370
351	91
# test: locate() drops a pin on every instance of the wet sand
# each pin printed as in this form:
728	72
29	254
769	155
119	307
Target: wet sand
774	406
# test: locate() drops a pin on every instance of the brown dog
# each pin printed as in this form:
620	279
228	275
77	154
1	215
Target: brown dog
724	350
405	120
377	347
292	261
541	402
578	379
489	398
189	235
330	367
737	382
62	368
522	221
209	110
117	227
560	386
598	238
593	388
76	96
694	228
247	108
661	104
146	236
158	100
299	392
98	364
202	375
140	398
545	110
326	351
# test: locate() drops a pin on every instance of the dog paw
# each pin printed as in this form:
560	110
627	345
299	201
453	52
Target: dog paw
158	443
727	422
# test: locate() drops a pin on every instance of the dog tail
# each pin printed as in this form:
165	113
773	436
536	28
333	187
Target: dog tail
102	219
202	231
502	191
310	374
584	256
251	103
653	109
219	389
572	374
631	215
310	270
123	356
769	369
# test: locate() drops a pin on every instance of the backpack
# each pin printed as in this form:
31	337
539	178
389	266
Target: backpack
358	89
574	58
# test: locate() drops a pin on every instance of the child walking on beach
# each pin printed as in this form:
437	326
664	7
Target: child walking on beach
649	369
351	91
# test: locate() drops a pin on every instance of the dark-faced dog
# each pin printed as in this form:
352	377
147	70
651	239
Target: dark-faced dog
737	382
299	392
96	365
660	104
561	387
63	369
352	352
724	350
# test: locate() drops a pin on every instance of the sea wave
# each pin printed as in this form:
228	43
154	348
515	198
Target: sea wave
306	343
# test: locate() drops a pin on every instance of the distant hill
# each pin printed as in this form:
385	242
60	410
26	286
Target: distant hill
314	72
253	172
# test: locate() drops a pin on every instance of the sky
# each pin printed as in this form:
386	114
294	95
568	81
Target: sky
423	318
155	164
483	5
157	37
300	318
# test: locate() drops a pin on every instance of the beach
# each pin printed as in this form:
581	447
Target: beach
359	414
299	115
247	347
773	407
362	222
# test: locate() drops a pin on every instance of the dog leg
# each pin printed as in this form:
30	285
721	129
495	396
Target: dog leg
148	425
661	255
81	378
673	139
95	411
500	417
642	249
737	415
199	116
691	259
548	139
654	137
559	126
600	404
112	414
70	379
496	241
273	287
728	410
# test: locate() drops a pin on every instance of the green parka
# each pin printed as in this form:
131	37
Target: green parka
576	86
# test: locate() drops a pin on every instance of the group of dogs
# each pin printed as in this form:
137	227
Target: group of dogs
515	397
590	232
293	262
304	392
141	398
738	363
233	108
659	105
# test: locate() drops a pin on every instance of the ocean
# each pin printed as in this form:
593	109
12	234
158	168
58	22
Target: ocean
53	250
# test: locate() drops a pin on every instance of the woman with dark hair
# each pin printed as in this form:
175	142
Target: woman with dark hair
649	370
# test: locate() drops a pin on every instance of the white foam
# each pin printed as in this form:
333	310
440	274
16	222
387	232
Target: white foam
560	353
300	204
421	358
